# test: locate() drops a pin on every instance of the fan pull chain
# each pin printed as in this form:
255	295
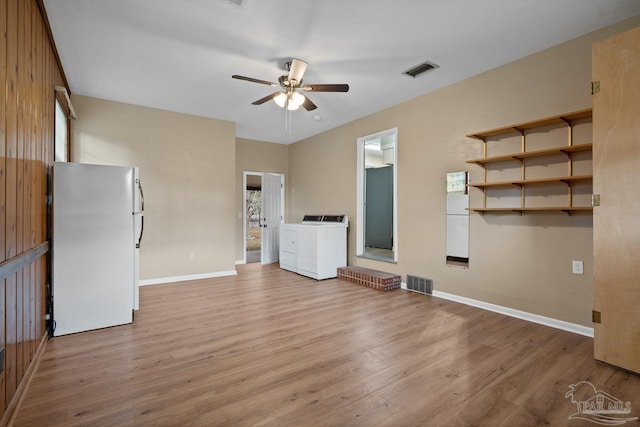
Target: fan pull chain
287	122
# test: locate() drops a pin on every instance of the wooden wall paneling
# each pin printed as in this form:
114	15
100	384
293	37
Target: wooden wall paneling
3	75
39	130
29	71
33	166
33	90
43	81
42	188
50	75
41	230
46	139
11	196
33	121
27	171
28	278
28	180
42	179
40	191
22	196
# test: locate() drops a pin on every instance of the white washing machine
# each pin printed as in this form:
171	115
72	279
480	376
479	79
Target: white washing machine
315	248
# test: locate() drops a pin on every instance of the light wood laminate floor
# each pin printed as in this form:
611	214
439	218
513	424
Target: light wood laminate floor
270	348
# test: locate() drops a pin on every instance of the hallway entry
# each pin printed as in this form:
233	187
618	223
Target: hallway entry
263	207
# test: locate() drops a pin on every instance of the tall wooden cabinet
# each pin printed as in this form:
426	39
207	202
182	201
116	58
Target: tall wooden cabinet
616	179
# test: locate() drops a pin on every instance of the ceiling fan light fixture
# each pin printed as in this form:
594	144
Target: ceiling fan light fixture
291	96
281	100
297	67
297	99
290	101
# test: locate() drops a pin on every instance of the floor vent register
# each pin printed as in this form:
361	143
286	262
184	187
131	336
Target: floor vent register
420	284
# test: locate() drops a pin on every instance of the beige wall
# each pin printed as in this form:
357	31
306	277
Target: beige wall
255	156
192	171
522	262
187	166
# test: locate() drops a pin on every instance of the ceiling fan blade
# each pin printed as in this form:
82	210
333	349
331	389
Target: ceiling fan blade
326	88
250	79
308	105
297	69
266	98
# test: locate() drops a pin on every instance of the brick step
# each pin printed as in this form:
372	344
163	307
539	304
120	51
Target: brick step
371	278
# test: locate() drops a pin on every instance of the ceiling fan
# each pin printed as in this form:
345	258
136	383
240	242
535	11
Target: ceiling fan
291	97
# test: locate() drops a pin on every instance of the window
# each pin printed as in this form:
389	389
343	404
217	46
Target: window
61	142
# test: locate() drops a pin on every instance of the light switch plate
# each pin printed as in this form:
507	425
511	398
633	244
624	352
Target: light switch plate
577	267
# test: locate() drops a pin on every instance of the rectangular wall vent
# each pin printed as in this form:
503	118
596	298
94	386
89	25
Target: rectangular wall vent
419	284
236	2
419	70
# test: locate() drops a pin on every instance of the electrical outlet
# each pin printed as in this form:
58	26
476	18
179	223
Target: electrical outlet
577	267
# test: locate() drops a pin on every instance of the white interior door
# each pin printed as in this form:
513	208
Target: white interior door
271	217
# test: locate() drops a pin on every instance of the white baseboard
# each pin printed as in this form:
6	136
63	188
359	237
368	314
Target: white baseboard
162	280
240	262
518	314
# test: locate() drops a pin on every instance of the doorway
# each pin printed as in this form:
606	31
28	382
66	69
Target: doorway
263	207
376	235
253	221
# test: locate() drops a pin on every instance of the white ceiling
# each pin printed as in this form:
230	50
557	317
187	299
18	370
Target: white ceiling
180	55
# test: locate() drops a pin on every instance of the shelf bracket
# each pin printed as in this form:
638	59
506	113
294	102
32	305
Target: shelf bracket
566	153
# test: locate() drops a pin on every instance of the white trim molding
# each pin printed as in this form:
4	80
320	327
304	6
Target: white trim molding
518	314
535	318
163	280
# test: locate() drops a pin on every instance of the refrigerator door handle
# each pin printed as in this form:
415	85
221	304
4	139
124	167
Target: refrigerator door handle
141	232
141	196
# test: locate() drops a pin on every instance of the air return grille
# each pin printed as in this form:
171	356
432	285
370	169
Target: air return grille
419	284
419	70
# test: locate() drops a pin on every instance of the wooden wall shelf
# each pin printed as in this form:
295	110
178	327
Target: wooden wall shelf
521	182
520	128
529	154
540	209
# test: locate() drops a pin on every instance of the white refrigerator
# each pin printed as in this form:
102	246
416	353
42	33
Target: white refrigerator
458	227
97	231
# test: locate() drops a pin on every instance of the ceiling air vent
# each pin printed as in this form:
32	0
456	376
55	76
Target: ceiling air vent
236	2
420	69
